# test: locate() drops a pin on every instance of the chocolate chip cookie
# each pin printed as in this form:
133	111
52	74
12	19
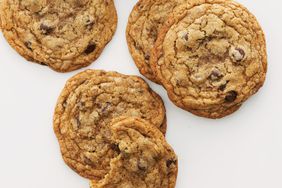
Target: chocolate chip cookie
144	158
211	57
143	26
85	108
62	34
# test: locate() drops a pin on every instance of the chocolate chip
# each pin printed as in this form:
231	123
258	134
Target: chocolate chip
115	148
238	54
147	56
65	104
78	122
141	166
241	51
140	6
90	48
186	37
46	30
89	24
28	45
44	64
137	46
231	96
223	86
215	75
170	162
88	161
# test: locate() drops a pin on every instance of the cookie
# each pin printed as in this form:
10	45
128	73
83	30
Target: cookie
211	57
63	34
0	16
88	103
144	158
143	26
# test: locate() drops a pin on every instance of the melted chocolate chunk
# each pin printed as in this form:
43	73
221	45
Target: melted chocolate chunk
170	162
238	54
46	30
147	57
242	52
231	96
44	64
90	48
115	148
28	45
223	86
186	37
88	161
215	75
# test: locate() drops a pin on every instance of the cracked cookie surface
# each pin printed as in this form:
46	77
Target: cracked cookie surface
143	26
144	160
63	34
85	108
211	57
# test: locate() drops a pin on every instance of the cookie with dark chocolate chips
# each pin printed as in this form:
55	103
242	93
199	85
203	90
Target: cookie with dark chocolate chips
144	158
65	35
85	108
210	56
143	26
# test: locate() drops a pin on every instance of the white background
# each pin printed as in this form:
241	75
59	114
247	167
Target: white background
243	150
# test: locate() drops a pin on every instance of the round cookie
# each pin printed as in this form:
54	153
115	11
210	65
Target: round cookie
144	157
63	34
211	57
88	103
143	26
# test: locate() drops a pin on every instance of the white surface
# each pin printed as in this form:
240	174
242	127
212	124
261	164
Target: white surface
243	150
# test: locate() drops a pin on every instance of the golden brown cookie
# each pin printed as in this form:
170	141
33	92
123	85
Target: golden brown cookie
64	34
85	108
144	159
143	26
0	16
211	57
